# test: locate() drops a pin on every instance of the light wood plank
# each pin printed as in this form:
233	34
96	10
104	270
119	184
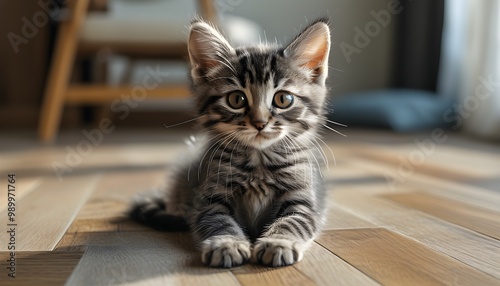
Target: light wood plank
479	197
44	215
343	170
24	186
82	240
462	244
105	210
443	187
324	268
254	275
442	161
338	218
153	258
392	259
40	268
319	265
109	157
481	220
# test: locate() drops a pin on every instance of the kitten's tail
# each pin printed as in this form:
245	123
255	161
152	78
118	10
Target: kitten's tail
151	210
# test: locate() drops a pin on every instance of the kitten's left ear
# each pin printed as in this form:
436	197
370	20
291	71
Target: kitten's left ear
310	49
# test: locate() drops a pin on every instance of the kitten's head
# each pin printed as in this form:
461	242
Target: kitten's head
262	94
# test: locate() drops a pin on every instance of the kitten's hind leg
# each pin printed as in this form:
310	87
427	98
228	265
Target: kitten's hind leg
151	210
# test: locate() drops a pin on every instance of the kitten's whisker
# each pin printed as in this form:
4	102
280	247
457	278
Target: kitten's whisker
336	123
187	121
331	151
212	155
193	141
315	159
314	121
291	150
288	150
321	151
297	141
317	147
329	128
208	150
230	164
220	159
219	144
295	153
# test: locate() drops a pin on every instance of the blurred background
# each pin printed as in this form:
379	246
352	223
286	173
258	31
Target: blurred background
397	65
86	87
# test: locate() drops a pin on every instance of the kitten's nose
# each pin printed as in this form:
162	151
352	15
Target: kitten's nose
259	124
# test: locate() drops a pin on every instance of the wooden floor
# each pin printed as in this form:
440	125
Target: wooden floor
404	210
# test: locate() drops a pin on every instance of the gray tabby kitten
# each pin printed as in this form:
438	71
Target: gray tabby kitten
254	190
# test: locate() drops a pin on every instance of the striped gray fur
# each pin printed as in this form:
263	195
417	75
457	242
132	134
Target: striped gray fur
254	188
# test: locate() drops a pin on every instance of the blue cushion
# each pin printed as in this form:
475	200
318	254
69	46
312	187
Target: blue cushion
401	110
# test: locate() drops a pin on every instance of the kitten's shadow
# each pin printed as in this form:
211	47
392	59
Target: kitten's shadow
181	240
136	253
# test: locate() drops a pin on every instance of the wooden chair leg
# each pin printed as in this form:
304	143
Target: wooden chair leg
60	71
101	68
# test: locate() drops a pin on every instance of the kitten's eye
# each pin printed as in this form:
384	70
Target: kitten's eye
283	99
236	100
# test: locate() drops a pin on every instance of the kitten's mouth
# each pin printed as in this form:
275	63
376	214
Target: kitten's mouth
266	135
264	139
261	135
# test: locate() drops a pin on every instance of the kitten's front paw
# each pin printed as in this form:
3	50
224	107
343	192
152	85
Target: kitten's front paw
225	251
276	252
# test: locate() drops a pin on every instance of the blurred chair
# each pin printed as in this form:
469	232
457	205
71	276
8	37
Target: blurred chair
136	29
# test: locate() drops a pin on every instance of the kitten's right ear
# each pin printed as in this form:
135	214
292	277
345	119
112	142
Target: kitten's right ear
207	47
